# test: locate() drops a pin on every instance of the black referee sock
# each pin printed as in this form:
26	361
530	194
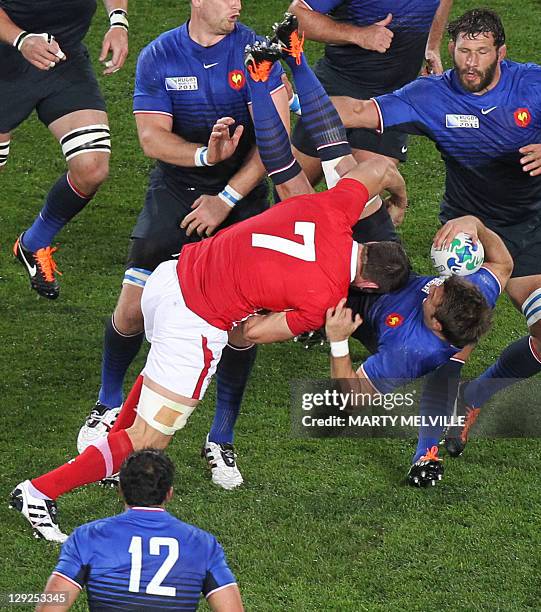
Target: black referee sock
319	117
62	203
231	379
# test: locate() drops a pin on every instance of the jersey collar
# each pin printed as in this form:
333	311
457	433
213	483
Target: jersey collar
353	264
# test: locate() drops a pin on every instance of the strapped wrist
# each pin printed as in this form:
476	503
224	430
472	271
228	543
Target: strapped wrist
118	18
230	196
18	42
340	348
201	157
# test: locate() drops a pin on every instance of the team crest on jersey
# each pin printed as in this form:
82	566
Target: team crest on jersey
461	121
522	117
181	83
236	79
394	319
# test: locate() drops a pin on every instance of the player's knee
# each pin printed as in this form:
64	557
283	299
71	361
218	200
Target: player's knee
128	317
4	152
88	172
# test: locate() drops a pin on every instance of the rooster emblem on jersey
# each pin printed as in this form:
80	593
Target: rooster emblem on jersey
522	117
394	319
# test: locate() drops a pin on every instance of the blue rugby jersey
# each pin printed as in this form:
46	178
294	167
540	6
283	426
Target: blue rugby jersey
400	64
479	137
143	559
197	85
406	348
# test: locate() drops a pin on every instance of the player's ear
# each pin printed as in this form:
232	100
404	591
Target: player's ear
169	495
451	48
436	325
502	52
365	284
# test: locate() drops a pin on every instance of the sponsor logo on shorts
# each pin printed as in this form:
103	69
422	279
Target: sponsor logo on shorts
394	319
461	121
522	117
181	83
236	79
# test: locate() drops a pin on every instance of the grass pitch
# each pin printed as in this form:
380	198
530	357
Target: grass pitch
320	524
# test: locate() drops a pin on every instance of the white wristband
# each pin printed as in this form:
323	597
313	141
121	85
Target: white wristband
230	196
118	18
340	349
200	157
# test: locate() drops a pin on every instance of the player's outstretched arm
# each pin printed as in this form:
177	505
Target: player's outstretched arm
61	594
226	600
339	325
357	113
497	257
115	41
378	175
321	28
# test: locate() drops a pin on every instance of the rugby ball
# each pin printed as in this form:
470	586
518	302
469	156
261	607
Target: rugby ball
460	258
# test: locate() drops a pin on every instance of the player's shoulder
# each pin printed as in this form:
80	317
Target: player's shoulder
162	44
529	73
89	531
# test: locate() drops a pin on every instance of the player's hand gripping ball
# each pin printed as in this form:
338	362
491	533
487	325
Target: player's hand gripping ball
461	257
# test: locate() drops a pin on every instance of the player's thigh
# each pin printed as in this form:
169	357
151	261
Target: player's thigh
73	89
21	87
306	154
184	349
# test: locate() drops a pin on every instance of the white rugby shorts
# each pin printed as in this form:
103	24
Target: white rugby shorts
184	348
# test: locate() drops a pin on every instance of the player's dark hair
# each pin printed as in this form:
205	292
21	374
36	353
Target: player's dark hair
464	313
145	477
385	263
478	21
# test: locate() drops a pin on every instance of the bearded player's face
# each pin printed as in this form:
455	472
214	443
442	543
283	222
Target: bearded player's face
222	15
476	62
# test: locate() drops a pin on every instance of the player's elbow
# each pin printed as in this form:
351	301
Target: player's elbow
148	140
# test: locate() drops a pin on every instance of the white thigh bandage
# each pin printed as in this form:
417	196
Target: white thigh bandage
88	139
165	415
531	308
4	152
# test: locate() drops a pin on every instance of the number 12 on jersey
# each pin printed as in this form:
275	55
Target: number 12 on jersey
305	250
154	587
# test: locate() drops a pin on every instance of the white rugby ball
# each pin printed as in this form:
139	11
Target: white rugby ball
461	257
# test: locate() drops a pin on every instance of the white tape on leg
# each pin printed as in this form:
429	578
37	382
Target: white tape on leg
162	413
531	308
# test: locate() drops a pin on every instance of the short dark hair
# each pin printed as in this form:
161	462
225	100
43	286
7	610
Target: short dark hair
386	263
478	21
464	313
146	477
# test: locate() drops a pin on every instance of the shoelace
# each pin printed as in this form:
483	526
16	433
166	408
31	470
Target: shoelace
297	47
471	417
47	264
431	454
260	72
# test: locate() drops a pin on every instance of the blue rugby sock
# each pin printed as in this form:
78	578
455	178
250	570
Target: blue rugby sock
62	203
319	117
231	378
439	393
517	362
118	353
271	135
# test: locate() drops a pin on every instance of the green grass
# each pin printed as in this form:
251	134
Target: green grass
320	524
